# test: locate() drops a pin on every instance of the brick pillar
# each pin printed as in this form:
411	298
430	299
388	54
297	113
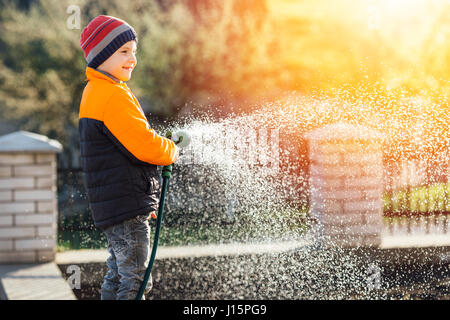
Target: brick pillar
346	184
28	199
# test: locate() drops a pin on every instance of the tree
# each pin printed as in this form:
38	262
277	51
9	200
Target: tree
40	78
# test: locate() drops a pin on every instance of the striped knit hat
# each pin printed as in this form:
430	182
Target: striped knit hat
102	37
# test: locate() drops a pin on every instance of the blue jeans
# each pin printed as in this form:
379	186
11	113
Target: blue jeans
129	248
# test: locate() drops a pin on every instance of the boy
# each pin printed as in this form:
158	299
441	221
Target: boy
119	155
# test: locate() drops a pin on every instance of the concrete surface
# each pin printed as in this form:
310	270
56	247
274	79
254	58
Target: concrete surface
42	281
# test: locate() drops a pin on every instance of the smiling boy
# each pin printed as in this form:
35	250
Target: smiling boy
122	62
120	153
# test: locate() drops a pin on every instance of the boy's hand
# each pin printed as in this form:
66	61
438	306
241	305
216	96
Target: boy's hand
152	215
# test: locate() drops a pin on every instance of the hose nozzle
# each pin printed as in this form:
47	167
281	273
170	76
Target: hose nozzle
181	138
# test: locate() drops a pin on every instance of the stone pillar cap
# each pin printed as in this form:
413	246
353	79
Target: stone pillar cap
24	141
344	131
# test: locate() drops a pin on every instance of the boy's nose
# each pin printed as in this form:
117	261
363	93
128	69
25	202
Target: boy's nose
133	60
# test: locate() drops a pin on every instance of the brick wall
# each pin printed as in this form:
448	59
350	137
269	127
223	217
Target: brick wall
28	207
346	185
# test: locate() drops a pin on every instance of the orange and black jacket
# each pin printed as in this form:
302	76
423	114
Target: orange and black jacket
120	152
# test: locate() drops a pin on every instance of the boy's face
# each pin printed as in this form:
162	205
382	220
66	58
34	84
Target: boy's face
122	62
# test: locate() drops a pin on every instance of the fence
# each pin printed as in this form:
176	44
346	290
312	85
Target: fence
416	197
75	225
416	201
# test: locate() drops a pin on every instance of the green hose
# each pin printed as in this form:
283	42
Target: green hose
182	139
166	173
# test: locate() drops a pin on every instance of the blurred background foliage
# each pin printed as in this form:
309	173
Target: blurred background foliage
214	56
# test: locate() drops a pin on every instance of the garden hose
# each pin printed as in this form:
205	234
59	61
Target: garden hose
166	172
182	139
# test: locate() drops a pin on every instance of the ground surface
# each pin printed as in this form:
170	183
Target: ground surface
297	274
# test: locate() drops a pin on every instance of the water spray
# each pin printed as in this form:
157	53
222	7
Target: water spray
182	139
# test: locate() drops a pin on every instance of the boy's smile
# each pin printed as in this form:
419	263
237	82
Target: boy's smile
122	62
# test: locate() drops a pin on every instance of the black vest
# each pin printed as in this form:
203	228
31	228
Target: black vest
119	186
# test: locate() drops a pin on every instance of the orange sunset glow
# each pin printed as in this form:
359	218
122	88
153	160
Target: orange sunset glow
385	64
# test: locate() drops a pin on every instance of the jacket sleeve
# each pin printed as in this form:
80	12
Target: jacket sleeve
125	120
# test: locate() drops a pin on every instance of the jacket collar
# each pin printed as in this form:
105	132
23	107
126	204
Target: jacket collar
92	74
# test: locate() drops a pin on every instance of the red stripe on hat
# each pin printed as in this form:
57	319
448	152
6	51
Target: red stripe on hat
92	28
100	35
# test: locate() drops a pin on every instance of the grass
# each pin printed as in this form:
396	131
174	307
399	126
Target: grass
288	223
265	225
86	239
419	199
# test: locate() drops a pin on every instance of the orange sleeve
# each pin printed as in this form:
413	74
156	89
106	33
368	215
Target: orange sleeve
125	120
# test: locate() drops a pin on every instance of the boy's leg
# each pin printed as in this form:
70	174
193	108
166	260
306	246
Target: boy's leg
111	280
132	257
